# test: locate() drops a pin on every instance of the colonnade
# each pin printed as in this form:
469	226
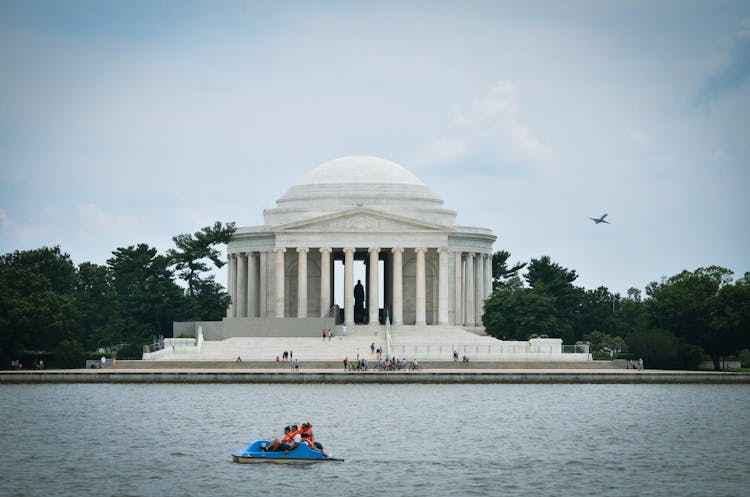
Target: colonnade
460	293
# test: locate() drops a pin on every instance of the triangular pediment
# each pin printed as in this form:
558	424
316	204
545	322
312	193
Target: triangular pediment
361	219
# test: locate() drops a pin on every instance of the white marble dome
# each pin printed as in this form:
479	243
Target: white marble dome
360	169
359	181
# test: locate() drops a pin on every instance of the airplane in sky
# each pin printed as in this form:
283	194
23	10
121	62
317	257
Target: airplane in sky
599	220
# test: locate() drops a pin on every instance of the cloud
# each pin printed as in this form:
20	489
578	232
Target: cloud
97	222
491	127
638	136
18	234
732	76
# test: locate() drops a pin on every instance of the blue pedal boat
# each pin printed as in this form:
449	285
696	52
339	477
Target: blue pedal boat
301	454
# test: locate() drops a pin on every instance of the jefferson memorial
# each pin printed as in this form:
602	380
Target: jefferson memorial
365	209
363	249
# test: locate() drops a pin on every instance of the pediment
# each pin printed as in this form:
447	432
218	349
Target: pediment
361	220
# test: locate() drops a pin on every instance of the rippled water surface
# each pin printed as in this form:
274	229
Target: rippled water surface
411	440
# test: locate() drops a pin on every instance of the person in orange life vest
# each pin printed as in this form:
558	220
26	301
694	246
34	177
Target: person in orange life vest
307	436
291	440
297	435
276	444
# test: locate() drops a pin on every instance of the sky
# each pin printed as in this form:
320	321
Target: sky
132	122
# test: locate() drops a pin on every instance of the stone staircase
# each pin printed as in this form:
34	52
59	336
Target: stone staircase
425	343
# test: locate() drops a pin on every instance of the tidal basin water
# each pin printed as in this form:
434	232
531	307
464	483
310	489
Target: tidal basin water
397	440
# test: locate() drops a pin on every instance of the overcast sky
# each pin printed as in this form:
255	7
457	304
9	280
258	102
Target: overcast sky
129	122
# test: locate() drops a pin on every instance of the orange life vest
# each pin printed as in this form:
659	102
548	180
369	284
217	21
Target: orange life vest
306	436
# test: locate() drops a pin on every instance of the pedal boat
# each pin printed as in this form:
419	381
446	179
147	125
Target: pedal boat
301	454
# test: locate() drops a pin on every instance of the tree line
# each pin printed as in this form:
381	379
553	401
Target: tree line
51	308
681	320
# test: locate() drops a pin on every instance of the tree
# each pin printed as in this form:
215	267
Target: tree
70	354
556	282
37	309
631	314
50	262
601	341
502	275
549	307
689	306
596	311
193	250
148	297
661	349
207	299
518	314
96	300
731	318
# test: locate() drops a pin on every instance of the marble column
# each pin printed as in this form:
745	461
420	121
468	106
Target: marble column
263	285
242	285
373	304
487	275
478	289
280	291
398	286
421	293
458	314
349	286
252	284
232	283
443	286
302	282
469	292
325	281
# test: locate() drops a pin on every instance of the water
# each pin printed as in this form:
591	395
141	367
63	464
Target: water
413	440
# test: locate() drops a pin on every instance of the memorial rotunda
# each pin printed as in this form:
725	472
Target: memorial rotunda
420	268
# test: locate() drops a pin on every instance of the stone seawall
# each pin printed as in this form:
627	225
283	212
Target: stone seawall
341	377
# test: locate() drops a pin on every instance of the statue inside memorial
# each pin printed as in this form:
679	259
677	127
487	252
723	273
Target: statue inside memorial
359	302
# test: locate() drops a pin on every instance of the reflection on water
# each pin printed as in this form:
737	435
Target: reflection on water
416	440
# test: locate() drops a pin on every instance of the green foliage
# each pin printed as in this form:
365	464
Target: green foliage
193	251
69	354
45	301
744	356
502	275
32	314
147	295
661	349
549	306
600	355
96	301
56	266
133	350
596	311
681	317
518	314
206	298
602	342
703	308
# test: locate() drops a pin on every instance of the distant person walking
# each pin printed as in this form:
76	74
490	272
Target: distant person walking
640	364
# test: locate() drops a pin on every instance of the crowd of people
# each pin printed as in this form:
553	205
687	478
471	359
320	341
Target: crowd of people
17	365
293	437
393	364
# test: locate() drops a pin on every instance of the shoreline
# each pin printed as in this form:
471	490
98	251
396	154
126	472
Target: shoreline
328	376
